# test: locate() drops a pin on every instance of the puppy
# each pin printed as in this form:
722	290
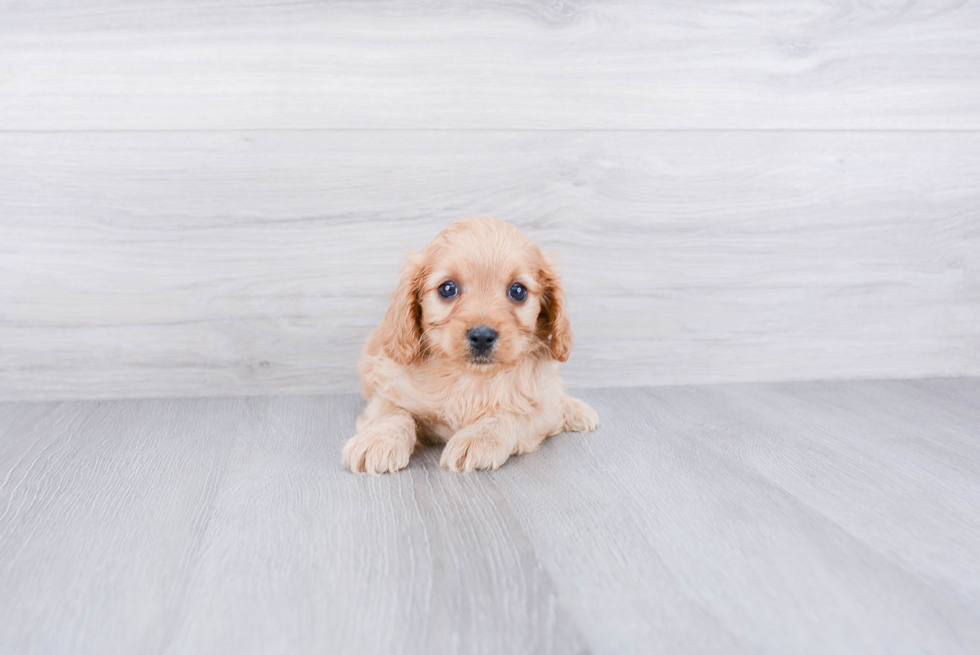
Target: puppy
468	354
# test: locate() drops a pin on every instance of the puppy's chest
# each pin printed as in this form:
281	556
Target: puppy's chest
445	404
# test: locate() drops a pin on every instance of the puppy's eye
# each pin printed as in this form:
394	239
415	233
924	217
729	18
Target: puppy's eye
517	292
448	290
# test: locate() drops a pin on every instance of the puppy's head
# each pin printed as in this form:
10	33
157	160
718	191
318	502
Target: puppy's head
480	295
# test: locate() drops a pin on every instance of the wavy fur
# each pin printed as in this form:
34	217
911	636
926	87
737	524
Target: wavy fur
421	379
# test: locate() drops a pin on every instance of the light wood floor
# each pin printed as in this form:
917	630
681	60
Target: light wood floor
827	517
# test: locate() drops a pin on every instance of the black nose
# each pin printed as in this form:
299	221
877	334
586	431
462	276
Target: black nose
481	338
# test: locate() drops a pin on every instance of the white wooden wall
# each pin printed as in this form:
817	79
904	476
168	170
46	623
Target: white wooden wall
214	198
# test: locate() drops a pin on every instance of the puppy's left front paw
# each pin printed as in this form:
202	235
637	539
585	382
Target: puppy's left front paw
468	451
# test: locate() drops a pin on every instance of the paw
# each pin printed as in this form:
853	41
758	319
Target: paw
579	417
374	453
468	452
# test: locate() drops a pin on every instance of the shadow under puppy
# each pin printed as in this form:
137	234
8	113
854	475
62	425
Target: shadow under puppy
468	354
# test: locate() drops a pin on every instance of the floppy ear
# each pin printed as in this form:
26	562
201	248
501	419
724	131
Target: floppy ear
401	328
553	323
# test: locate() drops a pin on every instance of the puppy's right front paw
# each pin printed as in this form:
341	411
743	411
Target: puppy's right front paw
373	453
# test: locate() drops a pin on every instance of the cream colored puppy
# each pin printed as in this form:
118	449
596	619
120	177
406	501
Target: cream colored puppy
468	354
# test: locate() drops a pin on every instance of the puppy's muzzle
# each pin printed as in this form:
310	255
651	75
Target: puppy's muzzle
481	338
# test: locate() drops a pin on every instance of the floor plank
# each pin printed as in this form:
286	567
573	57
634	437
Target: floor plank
829	517
516	64
700	539
300	557
102	510
914	465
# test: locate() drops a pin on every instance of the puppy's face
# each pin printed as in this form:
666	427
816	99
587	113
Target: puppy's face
481	295
480	301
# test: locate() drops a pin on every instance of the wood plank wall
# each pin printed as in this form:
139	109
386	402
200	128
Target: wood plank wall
214	199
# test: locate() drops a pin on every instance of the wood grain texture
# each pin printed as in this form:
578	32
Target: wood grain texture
701	519
424	562
103	507
194	264
830	517
517	64
228	525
